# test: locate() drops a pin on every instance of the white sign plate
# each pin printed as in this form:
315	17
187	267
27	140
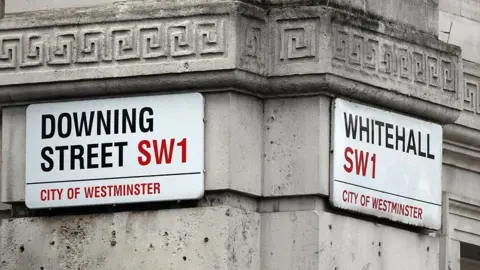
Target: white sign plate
115	151
386	165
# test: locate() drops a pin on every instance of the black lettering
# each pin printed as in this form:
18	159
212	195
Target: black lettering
350	126
106	154
388	135
105	123
372	131
83	125
120	146
411	143
115	122
61	132
420	153
429	155
48	166
61	155
400	138
379	124
130	120
146	124
364	129
46	117
91	155
77	154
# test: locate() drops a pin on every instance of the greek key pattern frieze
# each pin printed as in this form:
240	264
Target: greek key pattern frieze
119	42
471	97
298	40
253	42
398	61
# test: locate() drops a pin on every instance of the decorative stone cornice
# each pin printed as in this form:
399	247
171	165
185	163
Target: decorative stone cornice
463	218
467	128
277	52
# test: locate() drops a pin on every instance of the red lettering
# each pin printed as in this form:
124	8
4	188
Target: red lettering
397	208
163	152
43	195
361	162
51	194
156	188
89	192
345	195
146	158
183	145
348	159
97	192
374	162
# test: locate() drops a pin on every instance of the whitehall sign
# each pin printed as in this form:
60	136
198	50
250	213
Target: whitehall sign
386	165
114	151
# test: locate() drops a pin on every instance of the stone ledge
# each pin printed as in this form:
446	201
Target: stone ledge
461	155
195	238
463	224
123	48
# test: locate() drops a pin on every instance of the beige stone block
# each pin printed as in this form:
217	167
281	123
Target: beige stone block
318	240
233	147
13	6
196	239
290	240
450	6
13	154
464	33
461	182
296	146
470	9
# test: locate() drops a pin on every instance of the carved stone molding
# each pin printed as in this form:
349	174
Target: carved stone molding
55	51
461	155
279	52
467	128
463	221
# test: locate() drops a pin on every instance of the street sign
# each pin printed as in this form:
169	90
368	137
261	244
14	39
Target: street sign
115	151
386	165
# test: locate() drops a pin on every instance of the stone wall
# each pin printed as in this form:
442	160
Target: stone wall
269	71
459	21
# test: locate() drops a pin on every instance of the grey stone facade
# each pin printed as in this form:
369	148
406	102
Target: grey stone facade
269	71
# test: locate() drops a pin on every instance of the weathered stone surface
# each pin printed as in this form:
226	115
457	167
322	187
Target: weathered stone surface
463	224
319	240
285	51
234	144
460	182
297	145
422	15
466	129
13	154
33	5
461	155
197	238
451	6
2	8
464	33
460	227
469	9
